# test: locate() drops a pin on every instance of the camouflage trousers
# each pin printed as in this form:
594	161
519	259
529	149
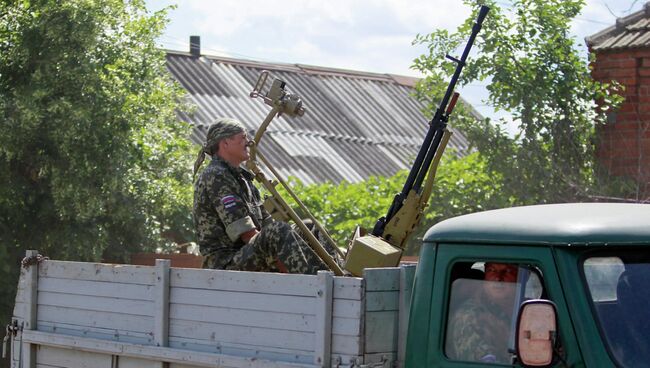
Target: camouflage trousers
327	245
277	243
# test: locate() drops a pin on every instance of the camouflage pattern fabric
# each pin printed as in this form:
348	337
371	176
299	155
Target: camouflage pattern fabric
479	331
226	205
276	242
329	247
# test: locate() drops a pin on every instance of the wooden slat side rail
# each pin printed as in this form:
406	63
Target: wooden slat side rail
243	300
98	304
98	333
407	277
230	316
161	307
96	288
347	320
253	282
104	301
20	309
118	311
152	353
256	337
161	303
66	358
243	350
127	274
252	314
111	325
348	288
381	313
220	301
31	305
324	296
382	279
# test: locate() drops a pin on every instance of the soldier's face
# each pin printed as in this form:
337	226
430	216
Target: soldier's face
500	272
502	278
237	147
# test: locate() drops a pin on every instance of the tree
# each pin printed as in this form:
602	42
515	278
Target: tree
534	72
93	161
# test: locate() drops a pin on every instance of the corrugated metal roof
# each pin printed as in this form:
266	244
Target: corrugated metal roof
632	31
357	124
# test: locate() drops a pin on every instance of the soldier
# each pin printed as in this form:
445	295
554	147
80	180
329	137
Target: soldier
480	328
234	230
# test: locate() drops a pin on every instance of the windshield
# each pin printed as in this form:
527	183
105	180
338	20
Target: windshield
621	298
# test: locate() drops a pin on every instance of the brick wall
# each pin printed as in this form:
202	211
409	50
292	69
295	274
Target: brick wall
624	142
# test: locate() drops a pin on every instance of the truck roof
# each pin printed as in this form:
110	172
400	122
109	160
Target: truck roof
552	224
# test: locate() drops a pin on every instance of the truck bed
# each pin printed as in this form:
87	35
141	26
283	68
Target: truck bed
77	314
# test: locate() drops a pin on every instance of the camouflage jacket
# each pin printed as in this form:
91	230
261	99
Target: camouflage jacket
226	205
479	331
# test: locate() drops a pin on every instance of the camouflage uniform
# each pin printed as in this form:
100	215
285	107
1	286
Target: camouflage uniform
324	242
479	331
226	205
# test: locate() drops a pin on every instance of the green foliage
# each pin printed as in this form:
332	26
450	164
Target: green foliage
534	72
93	161
463	185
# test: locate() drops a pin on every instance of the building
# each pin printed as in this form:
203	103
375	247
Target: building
623	54
357	124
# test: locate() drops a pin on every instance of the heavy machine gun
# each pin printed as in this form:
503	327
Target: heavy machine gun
383	248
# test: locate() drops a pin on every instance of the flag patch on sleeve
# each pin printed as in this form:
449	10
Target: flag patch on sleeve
229	201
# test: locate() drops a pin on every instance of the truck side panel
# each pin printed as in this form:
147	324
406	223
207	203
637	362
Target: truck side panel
96	300
89	314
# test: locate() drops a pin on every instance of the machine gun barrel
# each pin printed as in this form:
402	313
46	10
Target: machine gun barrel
435	133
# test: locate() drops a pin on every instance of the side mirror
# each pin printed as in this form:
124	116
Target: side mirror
536	333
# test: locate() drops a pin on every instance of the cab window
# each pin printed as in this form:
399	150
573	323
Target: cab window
483	305
618	287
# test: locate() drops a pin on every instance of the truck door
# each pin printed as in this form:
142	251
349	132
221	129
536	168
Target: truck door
477	292
609	302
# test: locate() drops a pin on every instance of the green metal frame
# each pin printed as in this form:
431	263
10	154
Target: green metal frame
431	299
570	263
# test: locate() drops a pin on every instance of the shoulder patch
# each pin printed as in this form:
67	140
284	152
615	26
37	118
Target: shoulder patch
229	201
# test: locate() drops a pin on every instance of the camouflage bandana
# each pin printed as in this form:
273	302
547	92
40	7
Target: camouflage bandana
220	129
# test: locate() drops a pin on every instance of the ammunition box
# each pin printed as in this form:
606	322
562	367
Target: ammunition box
371	252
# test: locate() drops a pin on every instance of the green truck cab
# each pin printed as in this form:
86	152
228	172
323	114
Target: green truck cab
585	265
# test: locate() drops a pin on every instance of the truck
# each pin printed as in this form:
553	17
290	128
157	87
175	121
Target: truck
580	299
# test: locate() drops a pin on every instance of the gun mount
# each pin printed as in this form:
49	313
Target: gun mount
284	102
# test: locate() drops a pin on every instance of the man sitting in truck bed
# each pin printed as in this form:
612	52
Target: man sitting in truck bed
234	230
480	327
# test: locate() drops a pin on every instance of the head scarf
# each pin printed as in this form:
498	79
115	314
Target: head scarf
220	129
